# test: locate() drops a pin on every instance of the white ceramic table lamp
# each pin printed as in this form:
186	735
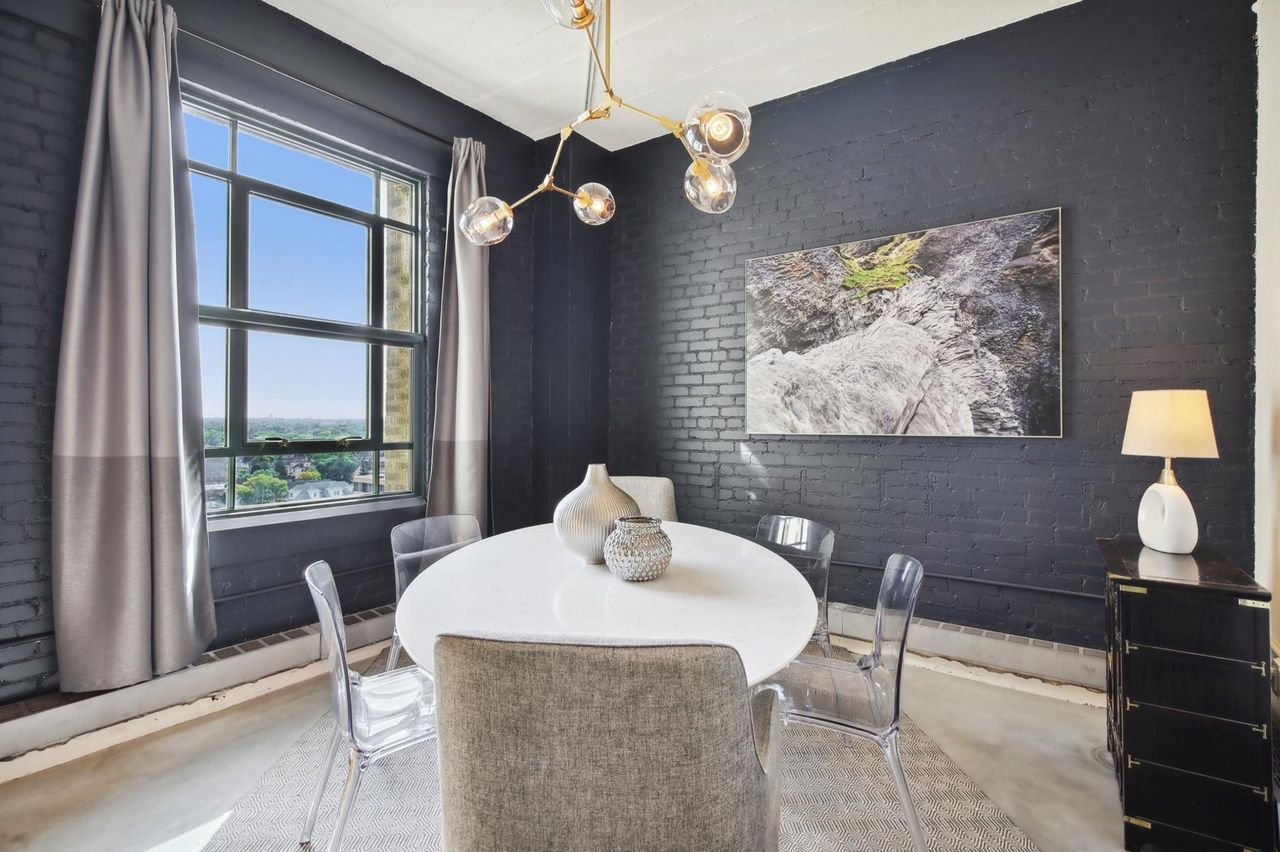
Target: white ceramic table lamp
1169	424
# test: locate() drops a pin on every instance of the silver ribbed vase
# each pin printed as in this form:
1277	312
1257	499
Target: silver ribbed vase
586	515
638	550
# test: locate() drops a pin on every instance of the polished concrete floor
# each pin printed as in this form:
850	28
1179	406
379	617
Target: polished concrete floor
1028	745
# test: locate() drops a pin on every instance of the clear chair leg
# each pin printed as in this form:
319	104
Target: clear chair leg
355	774
326	769
393	656
894	757
822	633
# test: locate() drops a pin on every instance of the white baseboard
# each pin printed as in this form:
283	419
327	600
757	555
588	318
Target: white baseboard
39	741
1052	661
60	734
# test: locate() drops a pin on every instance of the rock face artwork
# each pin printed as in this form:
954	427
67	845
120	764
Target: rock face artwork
953	331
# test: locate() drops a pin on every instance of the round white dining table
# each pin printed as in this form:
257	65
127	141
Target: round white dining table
720	588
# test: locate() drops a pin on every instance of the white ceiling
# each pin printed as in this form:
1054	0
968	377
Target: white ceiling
508	59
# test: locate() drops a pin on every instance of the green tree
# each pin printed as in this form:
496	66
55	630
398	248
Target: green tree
274	464
309	476
339	467
257	463
261	487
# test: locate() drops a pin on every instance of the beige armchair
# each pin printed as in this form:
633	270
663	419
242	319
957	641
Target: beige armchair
655	495
581	748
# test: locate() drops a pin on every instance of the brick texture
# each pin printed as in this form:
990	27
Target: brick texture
43	98
511	278
45	76
1138	118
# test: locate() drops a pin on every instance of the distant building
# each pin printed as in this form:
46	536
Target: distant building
320	489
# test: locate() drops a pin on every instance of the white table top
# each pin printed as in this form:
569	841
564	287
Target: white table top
719	588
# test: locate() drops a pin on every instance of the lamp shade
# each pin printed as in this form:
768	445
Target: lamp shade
1172	424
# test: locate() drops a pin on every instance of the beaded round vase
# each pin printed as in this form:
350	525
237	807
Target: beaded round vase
638	550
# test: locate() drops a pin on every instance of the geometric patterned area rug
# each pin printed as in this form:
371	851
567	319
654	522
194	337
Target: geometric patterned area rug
837	796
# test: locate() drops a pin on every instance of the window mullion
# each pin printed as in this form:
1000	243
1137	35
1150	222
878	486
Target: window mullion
377	360
377	277
377	354
238	339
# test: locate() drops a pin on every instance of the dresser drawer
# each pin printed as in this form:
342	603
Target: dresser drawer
1230	689
1216	625
1142	835
1233	751
1231	812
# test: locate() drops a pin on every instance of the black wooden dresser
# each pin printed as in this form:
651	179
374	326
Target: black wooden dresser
1188	700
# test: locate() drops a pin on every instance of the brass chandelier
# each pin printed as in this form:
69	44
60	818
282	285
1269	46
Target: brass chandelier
715	132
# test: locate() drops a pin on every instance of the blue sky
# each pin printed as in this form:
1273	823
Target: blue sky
300	262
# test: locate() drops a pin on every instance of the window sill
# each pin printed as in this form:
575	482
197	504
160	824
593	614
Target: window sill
233	522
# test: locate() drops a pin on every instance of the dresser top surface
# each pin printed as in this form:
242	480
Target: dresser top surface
1127	559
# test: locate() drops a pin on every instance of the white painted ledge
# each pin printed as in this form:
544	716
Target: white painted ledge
39	741
1051	661
50	737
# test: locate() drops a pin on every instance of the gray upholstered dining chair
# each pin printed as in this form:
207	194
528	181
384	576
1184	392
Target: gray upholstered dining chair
418	544
655	495
376	715
584	747
863	698
808	546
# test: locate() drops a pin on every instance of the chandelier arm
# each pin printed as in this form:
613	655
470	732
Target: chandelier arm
548	181
608	39
537	190
669	123
565	133
600	66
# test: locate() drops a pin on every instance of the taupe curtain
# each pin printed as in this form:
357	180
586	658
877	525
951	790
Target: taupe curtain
131	592
459	481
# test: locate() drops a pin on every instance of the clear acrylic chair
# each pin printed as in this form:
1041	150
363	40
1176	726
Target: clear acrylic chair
807	545
376	715
862	698
416	545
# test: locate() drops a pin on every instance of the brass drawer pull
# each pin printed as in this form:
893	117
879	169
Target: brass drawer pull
1133	590
1255	604
1140	823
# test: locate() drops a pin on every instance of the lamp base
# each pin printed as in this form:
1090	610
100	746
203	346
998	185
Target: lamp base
1166	521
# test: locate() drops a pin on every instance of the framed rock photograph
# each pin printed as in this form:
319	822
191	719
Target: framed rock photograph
954	331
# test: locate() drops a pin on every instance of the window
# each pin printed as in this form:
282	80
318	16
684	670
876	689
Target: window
311	319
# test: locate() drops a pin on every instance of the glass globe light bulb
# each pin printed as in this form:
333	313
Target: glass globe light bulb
574	14
487	221
718	125
594	203
710	185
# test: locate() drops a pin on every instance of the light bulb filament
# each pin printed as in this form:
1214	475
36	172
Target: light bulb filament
719	127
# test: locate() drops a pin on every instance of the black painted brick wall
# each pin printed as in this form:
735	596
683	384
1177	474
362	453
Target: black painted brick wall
43	98
571	322
511	277
1138	118
45	75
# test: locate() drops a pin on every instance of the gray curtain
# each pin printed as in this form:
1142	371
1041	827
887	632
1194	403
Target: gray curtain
131	591
459	481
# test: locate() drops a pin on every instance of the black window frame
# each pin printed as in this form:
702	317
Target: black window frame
238	319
